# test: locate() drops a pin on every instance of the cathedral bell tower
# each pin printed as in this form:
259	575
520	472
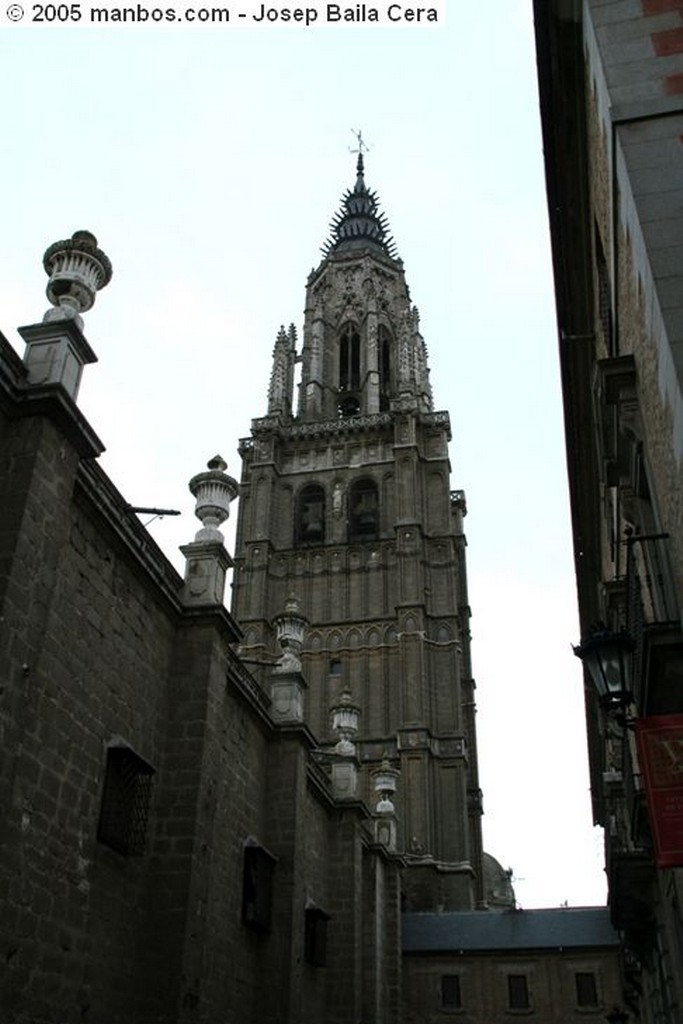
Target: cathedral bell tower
346	506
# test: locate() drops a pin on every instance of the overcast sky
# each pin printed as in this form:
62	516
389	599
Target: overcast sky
209	163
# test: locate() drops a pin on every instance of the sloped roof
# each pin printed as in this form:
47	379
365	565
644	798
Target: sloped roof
482	930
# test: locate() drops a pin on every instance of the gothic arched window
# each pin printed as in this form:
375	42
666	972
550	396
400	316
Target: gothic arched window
364	510
309	523
349	358
384	366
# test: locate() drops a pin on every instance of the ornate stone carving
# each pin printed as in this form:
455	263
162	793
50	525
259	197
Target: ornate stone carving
77	270
213	490
290	629
345	715
282	376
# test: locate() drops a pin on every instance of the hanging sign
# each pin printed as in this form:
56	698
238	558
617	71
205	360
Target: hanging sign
660	752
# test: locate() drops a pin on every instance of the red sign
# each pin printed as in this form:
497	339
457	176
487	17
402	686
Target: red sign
660	752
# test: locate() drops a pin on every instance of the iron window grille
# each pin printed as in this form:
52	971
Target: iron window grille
450	992
257	887
586	989
518	992
124	811
315	936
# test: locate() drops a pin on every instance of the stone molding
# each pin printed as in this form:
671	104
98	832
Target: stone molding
342	425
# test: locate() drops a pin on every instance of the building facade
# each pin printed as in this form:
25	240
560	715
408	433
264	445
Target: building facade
558	966
212	816
611	89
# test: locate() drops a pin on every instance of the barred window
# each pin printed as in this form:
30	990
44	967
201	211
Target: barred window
518	992
124	810
586	989
257	887
315	936
450	992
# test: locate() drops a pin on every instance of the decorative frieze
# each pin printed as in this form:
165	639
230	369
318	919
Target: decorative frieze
347	425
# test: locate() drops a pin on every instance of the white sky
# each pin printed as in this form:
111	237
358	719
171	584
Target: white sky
209	163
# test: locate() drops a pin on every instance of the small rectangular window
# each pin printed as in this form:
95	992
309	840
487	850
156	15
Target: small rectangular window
450	992
125	802
586	989
257	887
315	938
518	992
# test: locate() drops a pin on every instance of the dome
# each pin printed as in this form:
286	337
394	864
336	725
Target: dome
498	891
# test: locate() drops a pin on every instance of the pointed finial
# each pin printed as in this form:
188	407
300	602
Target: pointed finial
362	148
362	145
359	222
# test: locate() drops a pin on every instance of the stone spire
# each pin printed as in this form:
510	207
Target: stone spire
282	376
359	223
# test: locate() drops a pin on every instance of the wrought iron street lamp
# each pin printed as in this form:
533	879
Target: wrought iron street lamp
607	657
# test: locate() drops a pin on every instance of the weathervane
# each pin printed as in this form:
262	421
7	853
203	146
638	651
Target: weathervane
362	146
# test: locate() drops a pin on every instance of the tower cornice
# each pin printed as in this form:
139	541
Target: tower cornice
381	421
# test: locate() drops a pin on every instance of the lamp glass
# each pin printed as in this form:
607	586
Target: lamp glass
606	656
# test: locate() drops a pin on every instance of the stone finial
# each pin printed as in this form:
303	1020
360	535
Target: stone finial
77	270
288	686
345	716
213	490
385	785
290	629
385	777
343	763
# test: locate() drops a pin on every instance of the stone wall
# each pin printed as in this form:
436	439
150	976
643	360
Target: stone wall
103	664
483	986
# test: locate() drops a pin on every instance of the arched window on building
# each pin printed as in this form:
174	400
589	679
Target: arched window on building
364	510
309	524
349	369
384	366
